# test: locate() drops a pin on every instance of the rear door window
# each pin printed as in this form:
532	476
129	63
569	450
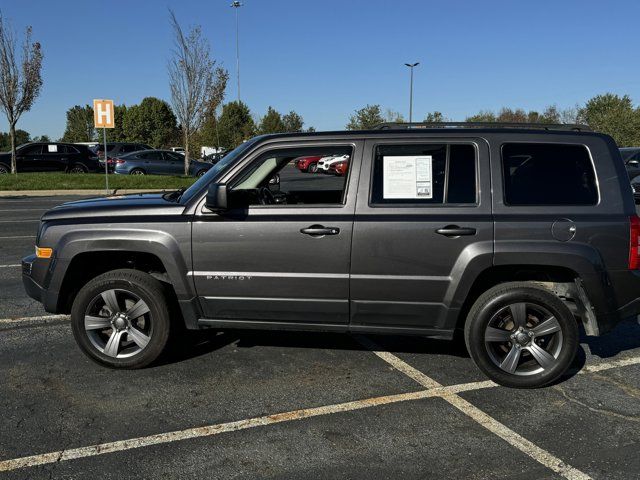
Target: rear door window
548	174
432	174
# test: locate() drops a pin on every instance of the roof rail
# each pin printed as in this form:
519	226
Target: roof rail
539	126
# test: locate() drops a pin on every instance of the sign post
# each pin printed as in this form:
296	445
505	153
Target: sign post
103	117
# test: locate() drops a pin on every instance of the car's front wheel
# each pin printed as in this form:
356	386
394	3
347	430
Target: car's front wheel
313	168
201	173
521	335
78	168
4	169
121	319
137	171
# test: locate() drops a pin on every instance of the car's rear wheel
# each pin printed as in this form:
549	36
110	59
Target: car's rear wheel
137	171
4	169
121	319
313	168
521	335
78	168
201	173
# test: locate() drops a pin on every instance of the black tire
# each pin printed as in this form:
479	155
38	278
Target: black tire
313	168
137	171
78	168
140	285
201	173
4	169
503	303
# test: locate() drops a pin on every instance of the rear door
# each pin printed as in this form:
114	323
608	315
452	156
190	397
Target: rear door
423	217
30	159
174	163
55	157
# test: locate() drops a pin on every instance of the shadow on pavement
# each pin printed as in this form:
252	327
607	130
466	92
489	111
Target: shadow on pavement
626	336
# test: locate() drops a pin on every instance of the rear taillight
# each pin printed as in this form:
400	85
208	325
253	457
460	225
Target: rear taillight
120	162
634	242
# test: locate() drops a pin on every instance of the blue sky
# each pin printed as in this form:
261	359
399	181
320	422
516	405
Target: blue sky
325	58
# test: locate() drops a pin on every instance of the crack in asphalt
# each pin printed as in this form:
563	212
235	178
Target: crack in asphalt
603	411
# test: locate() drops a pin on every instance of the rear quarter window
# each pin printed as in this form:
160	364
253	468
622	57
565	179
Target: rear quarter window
548	174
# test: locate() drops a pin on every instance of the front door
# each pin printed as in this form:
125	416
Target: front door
423	217
281	253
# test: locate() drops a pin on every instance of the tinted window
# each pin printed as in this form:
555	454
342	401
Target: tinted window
548	174
31	150
424	174
150	156
173	157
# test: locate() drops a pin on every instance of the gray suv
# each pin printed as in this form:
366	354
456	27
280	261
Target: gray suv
514	236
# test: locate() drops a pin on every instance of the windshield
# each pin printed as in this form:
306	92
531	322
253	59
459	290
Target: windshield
219	167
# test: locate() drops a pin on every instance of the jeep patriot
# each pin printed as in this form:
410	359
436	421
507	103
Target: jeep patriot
514	236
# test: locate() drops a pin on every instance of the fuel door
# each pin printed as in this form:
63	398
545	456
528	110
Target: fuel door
563	229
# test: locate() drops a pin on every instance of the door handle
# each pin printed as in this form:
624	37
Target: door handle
455	231
320	231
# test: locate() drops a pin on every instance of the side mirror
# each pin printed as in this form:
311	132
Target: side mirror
217	197
633	163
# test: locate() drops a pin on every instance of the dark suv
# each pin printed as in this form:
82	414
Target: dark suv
51	157
117	149
514	236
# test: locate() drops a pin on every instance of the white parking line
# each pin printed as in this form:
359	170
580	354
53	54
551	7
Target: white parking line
514	439
31	320
18	236
10	266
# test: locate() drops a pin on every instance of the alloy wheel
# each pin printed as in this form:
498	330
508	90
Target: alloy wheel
524	339
118	323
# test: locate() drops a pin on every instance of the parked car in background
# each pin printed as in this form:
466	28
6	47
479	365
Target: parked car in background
326	162
116	149
179	150
214	158
631	157
339	168
307	164
157	162
51	157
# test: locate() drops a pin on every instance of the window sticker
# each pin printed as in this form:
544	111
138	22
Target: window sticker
407	176
52	148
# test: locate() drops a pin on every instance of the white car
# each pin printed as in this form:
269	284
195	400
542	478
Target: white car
325	162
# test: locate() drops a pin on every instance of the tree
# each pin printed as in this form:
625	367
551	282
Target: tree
5	139
365	118
151	122
393	117
271	122
293	122
197	86
235	125
42	139
434	117
20	79
79	125
615	116
115	134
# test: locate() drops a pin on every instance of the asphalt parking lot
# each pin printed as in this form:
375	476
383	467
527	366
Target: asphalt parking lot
297	405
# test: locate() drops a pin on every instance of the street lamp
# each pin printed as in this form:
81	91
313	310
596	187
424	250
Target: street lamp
411	66
236	4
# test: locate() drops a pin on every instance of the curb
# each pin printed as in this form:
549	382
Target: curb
100	192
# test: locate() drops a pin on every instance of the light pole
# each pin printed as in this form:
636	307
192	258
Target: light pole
411	66
236	4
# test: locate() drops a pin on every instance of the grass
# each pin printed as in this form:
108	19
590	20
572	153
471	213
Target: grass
90	181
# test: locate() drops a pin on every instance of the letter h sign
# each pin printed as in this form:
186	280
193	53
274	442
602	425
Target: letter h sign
103	113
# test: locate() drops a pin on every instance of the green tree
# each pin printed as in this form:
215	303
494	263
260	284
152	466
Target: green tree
235	125
5	139
393	117
42	139
79	125
434	117
293	122
365	118
151	122
615	116
271	122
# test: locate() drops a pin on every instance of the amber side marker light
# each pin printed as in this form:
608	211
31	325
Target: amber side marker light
44	252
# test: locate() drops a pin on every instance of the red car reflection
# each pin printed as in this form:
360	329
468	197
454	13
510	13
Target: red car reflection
307	164
339	169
